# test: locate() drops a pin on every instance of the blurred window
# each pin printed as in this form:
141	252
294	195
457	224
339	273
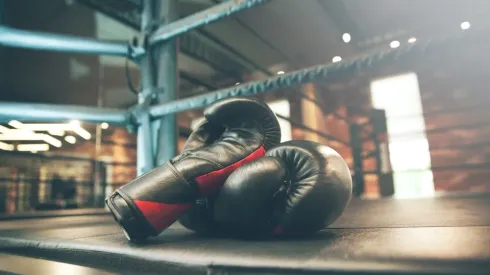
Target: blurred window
399	96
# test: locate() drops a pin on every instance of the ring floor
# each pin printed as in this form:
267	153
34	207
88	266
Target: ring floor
441	235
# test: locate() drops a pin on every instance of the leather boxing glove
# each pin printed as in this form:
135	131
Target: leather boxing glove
299	187
235	131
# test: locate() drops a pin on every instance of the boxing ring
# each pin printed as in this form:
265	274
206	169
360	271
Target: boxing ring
451	237
404	241
146	116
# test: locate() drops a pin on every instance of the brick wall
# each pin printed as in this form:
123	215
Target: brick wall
458	139
453	86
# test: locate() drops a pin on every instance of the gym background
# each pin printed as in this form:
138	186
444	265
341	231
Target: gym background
414	129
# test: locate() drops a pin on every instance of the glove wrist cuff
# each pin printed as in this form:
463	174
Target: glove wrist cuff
127	215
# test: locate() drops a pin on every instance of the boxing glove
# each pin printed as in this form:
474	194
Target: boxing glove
235	131
299	187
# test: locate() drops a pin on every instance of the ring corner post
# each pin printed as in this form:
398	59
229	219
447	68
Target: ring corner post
145	159
167	84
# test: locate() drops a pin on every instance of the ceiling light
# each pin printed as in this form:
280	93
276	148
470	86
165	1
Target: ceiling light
238	83
336	59
6	147
75	123
280	72
51	140
346	37
45	127
18	135
82	132
412	40
395	44
71	139
104	125
465	25
27	131
75	127
27	135
56	129
33	147
3	129
56	132
16	124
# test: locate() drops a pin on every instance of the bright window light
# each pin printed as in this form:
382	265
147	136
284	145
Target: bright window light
395	44
465	25
346	37
336	59
409	156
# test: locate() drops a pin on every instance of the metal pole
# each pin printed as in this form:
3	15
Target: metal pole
99	195
382	155
51	112
145	160
200	18
11	37
356	145
168	84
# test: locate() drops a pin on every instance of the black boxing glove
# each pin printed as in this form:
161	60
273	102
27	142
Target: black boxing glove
235	131
299	187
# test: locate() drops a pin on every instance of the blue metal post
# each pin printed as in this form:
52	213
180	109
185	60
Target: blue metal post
145	160
167	82
144	146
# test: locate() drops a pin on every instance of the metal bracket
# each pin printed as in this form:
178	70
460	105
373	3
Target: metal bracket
136	112
136	50
136	53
